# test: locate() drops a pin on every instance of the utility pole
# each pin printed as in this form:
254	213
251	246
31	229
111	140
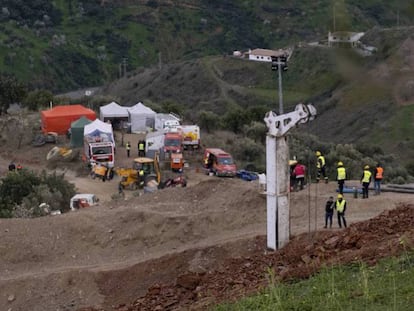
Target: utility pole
279	63
334	18
277	172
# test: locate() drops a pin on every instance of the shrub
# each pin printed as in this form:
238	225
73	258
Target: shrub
22	192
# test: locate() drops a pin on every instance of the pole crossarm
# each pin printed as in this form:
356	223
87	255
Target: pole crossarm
278	126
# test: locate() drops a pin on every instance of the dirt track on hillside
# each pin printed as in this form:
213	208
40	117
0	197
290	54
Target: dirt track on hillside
158	246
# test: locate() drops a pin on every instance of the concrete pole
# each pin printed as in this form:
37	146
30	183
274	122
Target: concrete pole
277	189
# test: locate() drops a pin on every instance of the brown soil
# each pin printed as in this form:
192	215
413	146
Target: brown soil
180	248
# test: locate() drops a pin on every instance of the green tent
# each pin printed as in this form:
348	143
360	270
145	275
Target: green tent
76	130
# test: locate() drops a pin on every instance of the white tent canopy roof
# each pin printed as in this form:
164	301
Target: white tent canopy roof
99	128
141	118
140	108
113	110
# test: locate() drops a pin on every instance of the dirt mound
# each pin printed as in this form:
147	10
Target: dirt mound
178	238
386	235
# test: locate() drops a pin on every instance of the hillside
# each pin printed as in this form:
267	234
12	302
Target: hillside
64	45
366	101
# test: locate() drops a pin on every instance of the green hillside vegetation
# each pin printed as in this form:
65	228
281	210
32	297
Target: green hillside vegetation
170	52
63	45
386	286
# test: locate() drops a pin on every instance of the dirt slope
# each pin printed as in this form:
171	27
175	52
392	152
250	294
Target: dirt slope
109	255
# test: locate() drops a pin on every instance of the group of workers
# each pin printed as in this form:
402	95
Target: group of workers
340	204
141	148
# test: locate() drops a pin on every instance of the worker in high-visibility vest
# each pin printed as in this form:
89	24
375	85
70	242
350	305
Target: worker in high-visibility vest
378	175
365	180
321	167
341	176
141	148
128	148
340	206
141	177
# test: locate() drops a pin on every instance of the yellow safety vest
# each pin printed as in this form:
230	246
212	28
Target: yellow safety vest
340	206
141	146
367	176
128	146
341	173
141	172
322	160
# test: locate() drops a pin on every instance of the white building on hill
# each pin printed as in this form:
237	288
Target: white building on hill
263	55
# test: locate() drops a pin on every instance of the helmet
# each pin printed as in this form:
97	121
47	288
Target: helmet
318	153
340	163
366	167
340	196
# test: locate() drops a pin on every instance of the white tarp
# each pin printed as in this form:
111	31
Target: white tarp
112	110
99	129
141	118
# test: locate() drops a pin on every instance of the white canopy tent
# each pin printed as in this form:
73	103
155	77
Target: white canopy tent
141	118
114	113
112	110
99	129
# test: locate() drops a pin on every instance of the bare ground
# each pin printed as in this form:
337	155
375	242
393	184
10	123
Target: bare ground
180	248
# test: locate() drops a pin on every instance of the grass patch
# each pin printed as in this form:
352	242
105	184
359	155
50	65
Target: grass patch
386	286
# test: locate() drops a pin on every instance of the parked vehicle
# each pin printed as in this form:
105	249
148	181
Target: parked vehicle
173	142
166	121
83	200
102	152
191	136
219	162
130	178
177	162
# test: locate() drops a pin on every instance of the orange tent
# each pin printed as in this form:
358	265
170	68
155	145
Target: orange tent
59	118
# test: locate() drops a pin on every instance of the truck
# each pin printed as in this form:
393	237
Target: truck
173	141
219	163
166	121
191	136
102	152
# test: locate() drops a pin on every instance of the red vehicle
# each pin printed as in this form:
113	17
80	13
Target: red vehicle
219	162
173	142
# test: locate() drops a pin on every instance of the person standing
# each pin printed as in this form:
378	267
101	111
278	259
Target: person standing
128	148
340	177
365	180
340	206
379	173
321	166
141	148
299	174
329	210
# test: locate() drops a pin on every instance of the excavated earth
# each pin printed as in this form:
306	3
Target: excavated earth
183	248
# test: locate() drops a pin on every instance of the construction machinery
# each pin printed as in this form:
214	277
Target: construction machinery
131	177
177	162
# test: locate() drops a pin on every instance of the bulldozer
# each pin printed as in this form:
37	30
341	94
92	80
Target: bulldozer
130	178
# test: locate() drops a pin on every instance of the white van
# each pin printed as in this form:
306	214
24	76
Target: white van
82	200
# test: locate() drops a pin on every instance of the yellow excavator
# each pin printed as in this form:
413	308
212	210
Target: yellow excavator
131	179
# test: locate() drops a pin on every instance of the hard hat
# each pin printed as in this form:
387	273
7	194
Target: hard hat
318	153
340	163
366	167
340	196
